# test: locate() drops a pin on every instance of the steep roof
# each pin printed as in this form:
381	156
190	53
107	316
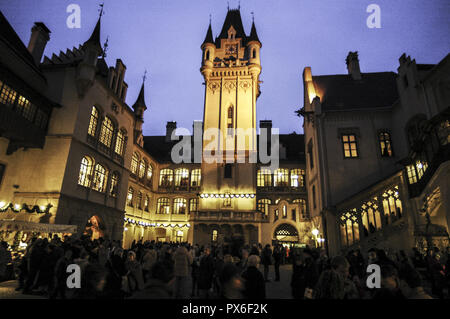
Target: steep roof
140	102
94	39
341	92
234	19
209	36
253	35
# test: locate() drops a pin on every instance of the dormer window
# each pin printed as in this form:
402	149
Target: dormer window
231	33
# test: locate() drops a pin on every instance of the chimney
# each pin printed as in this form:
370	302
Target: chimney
40	35
353	65
170	127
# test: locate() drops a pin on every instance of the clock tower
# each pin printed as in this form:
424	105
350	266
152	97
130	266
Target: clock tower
231	68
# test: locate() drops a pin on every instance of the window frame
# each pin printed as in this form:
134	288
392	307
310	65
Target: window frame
350	143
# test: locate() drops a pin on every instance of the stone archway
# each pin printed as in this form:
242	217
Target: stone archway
286	233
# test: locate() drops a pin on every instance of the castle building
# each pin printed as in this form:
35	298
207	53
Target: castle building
377	149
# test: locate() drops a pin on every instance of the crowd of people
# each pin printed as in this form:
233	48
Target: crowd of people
155	270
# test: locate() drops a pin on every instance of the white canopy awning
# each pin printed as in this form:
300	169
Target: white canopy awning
18	225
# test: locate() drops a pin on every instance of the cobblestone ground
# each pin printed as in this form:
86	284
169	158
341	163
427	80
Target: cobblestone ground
8	291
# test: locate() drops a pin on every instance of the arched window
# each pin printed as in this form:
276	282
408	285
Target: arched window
384	139
100	178
392	205
134	163
263	205
281	177
302	204
182	178
120	142
254	53
149	172
107	131
114	184
93	122
179	206
264	178
130	197
142	167
84	177
146	203
284	211
349	228
371	217
196	177
163	206
207	55
230	121
166	178
215	234
297	178
193	205
139	200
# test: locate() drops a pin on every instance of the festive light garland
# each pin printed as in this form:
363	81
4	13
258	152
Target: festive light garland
206	195
16	208
147	224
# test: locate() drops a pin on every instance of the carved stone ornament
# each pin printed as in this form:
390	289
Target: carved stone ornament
214	86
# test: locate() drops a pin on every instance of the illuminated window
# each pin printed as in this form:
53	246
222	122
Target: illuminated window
26	108
134	163
107	131
297	177
350	146
130	197
146	203
371	217
411	172
182	178
230	123
139	200
392	205
227	201
264	178
84	177
100	177
120	142
166	178
179	206
163	206
193	205
214	235
7	95
302	204
263	205
443	132
284	211
385	144
114	184
93	122
196	177
149	172
276	214
349	227
142	167
421	167
281	177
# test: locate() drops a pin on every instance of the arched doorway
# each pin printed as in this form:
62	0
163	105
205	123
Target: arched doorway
286	233
94	228
160	234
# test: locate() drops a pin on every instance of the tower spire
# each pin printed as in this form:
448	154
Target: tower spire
140	102
94	39
209	36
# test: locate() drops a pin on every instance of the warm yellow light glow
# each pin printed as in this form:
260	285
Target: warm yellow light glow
315	232
2	204
42	207
17	206
125	228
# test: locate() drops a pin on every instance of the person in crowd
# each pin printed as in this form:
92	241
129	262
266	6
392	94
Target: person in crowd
341	266
182	260
134	272
243	262
92	283
304	275
277	257
390	284
231	283
206	274
437	273
159	286
61	275
254	283
266	261
5	259
148	260
195	273
36	257
329	286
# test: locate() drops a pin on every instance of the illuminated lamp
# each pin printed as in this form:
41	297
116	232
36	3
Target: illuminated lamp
42	208
247	195
2	204
252	195
227	196
125	229
17	206
172	225
315	232
217	195
222	196
206	195
232	195
188	225
242	195
201	195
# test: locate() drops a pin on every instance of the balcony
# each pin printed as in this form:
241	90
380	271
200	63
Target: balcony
229	216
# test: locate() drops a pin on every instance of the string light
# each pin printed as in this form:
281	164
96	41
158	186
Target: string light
16	208
247	195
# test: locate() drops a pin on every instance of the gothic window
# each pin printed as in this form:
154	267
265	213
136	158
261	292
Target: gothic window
2	166
134	163
93	122
114	184
281	177
7	95
302	204
166	178
130	197
107	131
284	211
275	215
349	145
193	205
392	205
182	178
264	178
310	154
26	108
294	214
146	203
263	206
139	200
163	206
84	177
411	172
41	119
207	55
254	53
228	171
371	217
384	139
214	235
196	176
297	178
142	167
230	122
120	142
349	227
100	178
179	206
314	195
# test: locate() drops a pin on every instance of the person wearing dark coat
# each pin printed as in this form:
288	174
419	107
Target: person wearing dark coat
255	287
159	285
266	260
206	273
277	257
304	275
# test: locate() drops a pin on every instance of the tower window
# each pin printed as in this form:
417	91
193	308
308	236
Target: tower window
385	144
254	53
230	122
310	153
93	121
349	145
207	55
228	171
214	235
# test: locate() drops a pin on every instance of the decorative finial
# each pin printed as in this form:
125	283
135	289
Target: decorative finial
145	76
228	5
239	5
101	9
253	16
210	18
105	47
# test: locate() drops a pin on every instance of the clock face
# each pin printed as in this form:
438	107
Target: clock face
231	49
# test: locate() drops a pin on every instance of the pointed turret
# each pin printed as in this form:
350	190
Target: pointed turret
253	34
140	102
209	36
94	40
